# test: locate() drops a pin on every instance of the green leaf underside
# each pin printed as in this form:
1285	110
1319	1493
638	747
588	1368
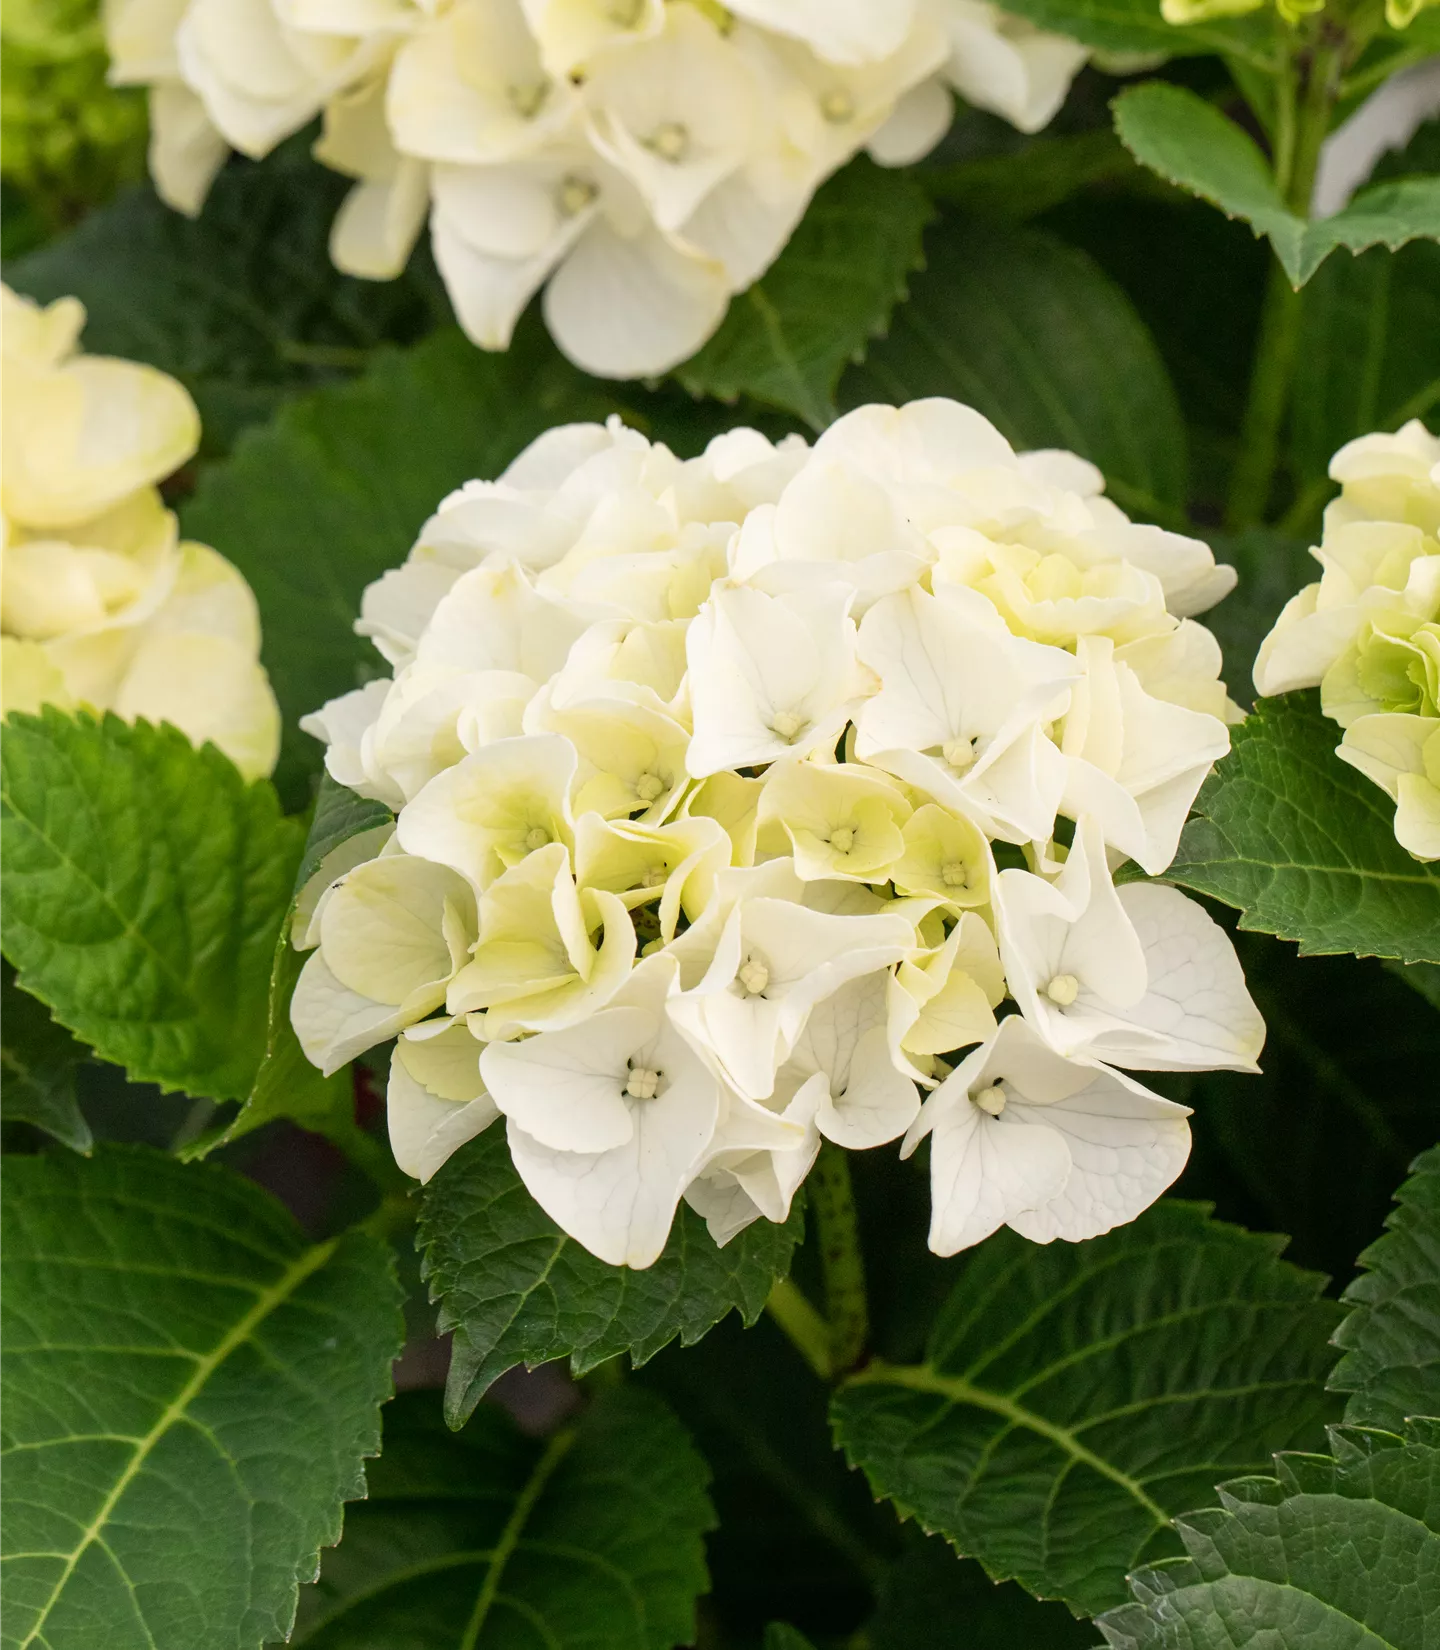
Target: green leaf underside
1391	1339
329	496
1341	1553
190	1391
1034	335
1191	144
37	1068
1075	1397
787	338
242	304
1137	26
145	883
488	1540
1304	846
516	1290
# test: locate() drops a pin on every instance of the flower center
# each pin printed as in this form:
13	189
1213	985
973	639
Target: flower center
643	1083
527	98
843	840
753	976
656	877
535	838
574	195
991	1100
786	723
1063	990
670	140
954	875
837	106
648	786
959	754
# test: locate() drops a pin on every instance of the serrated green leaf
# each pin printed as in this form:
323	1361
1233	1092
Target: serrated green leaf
1341	1553
144	887
1035	336
929	1590
787	339
1048	171
1075	1397
331	495
1391	1339
1190	143
191	1388
1304	846
516	1290
39	1059
489	1540
1137	26
243	303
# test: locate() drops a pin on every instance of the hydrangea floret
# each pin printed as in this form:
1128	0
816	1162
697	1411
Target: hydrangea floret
102	606
646	158
1367	633
775	796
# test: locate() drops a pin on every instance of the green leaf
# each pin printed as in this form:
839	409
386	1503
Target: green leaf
1329	1552
242	304
1033	334
145	883
516	1290
1074	1397
489	1540
190	1390
929	1590
1176	133
787	338
287	1085
316	505
1421	977
1137	26
1017	187
780	1635
39	1059
1304	846
1391	1339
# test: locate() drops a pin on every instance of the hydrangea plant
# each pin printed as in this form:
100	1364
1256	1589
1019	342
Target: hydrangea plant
751	967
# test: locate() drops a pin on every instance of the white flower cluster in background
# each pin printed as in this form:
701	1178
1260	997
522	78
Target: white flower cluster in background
102	607
701	771
647	158
1367	634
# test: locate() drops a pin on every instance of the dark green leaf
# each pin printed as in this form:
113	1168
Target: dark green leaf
1075	1397
1304	846
787	339
39	1060
1191	144
488	1540
1137	26
1032	334
780	1635
930	1590
145	883
242	304
190	1391
331	495
1391	1340
516	1290
1272	567
1017	187
1335	1552
339	815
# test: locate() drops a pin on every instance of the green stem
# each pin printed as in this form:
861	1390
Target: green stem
1297	155
803	1326
841	1263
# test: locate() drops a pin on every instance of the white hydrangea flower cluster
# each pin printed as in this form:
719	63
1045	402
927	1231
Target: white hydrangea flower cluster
647	158
101	606
705	774
1367	633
